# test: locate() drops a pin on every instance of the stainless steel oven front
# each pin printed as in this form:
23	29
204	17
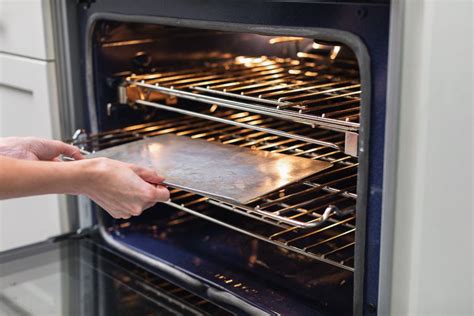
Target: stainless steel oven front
296	78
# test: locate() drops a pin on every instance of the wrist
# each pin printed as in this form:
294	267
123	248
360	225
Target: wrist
81	174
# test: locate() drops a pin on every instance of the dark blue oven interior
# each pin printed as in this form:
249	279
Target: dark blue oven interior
270	278
256	271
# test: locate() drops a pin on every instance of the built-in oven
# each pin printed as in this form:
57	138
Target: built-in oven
304	79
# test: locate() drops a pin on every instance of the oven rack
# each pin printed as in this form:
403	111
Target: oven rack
221	132
292	206
311	93
332	243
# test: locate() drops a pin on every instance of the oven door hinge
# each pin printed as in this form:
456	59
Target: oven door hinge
86	4
78	234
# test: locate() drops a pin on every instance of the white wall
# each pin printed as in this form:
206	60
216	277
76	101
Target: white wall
433	243
28	107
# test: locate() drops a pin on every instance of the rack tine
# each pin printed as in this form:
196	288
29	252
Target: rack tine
322	242
332	97
311	87
312	94
320	230
324	255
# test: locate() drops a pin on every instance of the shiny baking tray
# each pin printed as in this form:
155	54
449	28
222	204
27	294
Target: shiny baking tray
223	172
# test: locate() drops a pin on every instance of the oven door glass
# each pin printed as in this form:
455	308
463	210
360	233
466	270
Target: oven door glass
79	277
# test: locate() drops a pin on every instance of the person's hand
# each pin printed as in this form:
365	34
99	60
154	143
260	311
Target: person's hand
33	148
122	189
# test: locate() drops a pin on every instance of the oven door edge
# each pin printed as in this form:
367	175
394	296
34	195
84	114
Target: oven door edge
175	275
391	148
70	91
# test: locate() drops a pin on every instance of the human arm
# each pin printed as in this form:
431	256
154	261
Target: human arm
122	189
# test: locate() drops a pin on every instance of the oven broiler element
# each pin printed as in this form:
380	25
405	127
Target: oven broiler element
313	218
318	94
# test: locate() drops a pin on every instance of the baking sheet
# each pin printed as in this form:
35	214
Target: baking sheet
225	172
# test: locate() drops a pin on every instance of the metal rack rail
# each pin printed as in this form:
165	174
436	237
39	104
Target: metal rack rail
295	205
306	92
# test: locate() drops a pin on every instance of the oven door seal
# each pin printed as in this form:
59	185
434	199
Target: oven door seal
326	34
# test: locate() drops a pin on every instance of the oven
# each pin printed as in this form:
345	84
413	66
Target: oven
305	79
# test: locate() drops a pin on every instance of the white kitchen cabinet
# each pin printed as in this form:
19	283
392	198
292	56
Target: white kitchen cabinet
28	107
26	28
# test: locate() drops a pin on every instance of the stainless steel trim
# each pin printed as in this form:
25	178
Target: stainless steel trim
397	11
65	28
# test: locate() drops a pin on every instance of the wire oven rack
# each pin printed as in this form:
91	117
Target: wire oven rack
332	242
309	92
307	216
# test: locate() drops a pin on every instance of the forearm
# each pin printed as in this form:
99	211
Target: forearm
24	178
121	189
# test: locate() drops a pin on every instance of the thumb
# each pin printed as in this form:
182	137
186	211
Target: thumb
60	148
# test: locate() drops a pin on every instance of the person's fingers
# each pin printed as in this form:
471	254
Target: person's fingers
154	194
159	196
68	150
126	189
147	206
147	174
46	149
120	214
162	193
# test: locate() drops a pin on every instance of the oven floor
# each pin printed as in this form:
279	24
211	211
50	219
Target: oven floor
272	278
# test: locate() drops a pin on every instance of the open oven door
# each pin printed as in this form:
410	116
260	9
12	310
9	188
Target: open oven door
73	275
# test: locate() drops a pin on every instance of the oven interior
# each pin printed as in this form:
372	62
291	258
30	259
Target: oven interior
285	94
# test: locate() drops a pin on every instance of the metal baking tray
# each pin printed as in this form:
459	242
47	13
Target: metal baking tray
223	172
